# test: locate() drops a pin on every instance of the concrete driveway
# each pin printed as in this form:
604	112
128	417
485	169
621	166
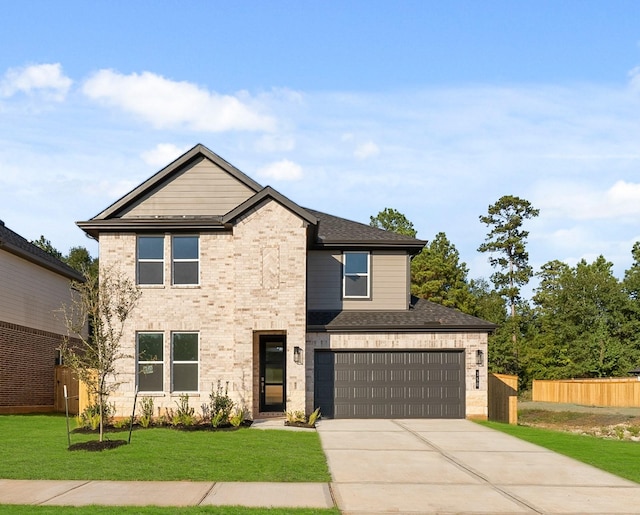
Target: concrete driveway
457	466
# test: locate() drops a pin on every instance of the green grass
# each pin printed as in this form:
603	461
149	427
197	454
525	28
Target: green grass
108	510
35	447
618	457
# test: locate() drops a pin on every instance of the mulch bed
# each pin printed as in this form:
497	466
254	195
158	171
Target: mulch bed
97	446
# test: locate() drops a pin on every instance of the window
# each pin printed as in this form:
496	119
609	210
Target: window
185	260
150	259
356	274
150	363
184	347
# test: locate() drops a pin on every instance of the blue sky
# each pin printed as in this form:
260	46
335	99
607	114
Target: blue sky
436	109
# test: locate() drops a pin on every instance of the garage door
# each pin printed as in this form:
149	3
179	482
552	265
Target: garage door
399	384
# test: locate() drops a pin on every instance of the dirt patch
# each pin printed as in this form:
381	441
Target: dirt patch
616	423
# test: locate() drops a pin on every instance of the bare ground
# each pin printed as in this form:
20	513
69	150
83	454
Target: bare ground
603	422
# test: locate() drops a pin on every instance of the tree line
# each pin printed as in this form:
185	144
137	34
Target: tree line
580	322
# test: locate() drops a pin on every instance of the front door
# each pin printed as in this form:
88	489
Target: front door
272	372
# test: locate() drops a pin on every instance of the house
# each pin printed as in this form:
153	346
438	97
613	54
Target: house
292	308
34	285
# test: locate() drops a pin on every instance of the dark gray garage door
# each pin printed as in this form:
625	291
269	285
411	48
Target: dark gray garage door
398	384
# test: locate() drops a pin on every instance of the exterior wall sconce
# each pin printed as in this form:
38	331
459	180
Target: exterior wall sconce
479	358
297	355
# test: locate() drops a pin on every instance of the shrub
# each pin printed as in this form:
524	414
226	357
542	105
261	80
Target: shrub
296	417
146	418
314	417
237	418
220	405
90	417
184	415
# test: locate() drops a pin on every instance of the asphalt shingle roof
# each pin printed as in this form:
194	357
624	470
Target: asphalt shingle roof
333	229
16	244
422	315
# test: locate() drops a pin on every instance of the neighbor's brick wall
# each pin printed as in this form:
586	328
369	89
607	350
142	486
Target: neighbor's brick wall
251	280
27	361
476	398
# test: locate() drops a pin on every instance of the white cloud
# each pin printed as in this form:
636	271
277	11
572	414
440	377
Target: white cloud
579	201
366	150
45	78
283	170
170	104
163	154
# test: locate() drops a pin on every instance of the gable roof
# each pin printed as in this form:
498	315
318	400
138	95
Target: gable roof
15	244
269	193
327	231
336	232
422	316
186	160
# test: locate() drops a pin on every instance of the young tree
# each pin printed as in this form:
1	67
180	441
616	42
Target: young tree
438	275
105	305
392	220
506	244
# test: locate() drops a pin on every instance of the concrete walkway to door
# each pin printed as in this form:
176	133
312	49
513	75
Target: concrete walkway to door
457	466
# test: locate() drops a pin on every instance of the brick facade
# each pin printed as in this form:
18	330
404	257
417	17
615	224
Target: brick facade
27	361
252	281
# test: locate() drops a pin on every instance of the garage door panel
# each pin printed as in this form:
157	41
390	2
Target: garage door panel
400	384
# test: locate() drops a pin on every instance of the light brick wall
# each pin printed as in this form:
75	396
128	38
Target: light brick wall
476	398
252	280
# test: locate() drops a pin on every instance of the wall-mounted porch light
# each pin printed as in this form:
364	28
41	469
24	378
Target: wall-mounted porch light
479	358
297	355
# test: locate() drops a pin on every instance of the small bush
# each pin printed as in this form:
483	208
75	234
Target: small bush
237	418
220	405
90	417
296	417
146	417
314	417
184	415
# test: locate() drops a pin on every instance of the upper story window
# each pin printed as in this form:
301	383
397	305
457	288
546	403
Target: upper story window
150	259
356	283
186	260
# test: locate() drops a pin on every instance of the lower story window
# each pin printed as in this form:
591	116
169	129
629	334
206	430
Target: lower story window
184	351
150	362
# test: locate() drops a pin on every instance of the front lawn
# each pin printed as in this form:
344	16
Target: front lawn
35	447
616	456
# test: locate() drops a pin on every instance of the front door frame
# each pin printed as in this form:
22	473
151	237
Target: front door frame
263	383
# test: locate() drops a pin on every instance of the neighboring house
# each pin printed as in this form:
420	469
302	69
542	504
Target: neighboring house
34	285
292	308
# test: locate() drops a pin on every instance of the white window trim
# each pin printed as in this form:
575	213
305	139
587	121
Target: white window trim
174	362
147	260
174	260
148	362
345	275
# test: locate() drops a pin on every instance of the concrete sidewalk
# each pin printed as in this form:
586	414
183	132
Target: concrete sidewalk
457	466
165	493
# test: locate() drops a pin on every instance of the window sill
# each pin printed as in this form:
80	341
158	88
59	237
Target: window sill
186	286
180	394
151	286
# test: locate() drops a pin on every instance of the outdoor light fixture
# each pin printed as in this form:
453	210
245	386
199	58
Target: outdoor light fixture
297	355
479	357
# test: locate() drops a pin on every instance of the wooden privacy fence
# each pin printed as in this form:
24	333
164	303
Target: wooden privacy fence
617	391
503	398
77	394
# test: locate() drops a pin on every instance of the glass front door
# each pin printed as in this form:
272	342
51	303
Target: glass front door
272	372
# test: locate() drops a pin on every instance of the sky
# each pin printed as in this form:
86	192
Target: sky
436	109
